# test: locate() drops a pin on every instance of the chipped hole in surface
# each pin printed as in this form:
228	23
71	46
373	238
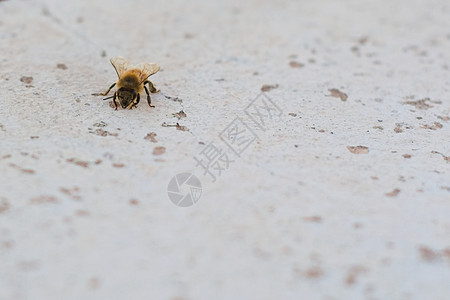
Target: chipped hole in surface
338	94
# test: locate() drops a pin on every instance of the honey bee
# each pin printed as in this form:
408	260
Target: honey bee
132	80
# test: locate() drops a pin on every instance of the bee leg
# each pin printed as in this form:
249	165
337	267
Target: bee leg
112	85
105	93
114	100
137	101
149	101
151	86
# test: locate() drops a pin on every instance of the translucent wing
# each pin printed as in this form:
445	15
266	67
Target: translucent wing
147	69
120	64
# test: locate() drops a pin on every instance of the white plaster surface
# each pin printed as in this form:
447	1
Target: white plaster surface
296	216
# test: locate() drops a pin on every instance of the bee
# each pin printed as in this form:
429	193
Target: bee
132	80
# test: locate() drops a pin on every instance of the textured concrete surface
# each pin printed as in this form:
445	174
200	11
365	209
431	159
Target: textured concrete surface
342	193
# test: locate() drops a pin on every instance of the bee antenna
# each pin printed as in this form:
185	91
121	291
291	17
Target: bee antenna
109	97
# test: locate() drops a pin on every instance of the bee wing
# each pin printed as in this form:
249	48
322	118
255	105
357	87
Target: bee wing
120	64
147	69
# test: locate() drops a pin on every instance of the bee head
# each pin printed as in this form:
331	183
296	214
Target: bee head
126	96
